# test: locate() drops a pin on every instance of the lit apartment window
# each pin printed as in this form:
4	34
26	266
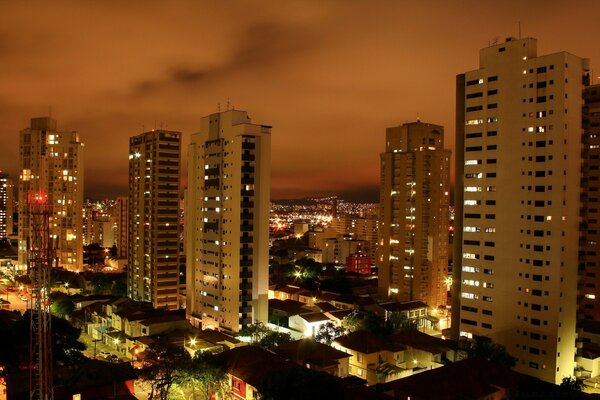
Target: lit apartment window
467	268
467	295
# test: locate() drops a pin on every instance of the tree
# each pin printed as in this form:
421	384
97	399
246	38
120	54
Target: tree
360	320
165	365
485	348
400	322
62	307
205	373
571	383
261	335
328	332
256	331
66	346
119	287
297	383
274	338
100	283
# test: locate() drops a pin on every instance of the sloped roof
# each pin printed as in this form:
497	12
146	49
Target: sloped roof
398	307
474	378
363	342
251	364
314	317
310	351
421	341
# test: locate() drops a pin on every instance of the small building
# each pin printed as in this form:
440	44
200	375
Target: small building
359	263
309	323
317	356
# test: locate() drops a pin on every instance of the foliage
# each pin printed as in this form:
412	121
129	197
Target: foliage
164	365
274	338
62	307
328	332
119	287
485	348
400	322
261	335
571	383
361	320
206	374
101	283
66	346
296	383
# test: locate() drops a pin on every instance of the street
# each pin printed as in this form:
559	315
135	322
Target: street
15	302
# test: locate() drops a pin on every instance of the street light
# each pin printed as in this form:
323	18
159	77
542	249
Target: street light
67	287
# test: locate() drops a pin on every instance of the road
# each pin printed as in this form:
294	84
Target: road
15	302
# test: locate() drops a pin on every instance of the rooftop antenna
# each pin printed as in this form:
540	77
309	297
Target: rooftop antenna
418	117
227	103
519	30
218	107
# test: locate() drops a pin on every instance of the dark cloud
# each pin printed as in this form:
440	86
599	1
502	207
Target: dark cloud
328	76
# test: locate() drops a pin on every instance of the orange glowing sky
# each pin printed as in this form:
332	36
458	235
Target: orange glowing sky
329	76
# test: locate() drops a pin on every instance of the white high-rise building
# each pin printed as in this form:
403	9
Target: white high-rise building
51	165
414	214
226	220
6	205
518	173
153	218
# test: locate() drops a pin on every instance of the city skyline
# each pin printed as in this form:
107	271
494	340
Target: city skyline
277	61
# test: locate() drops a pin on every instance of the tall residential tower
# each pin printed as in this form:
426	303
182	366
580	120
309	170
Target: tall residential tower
51	164
518	174
153	218
6	205
226	219
414	214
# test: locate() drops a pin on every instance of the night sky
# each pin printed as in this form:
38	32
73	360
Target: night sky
328	75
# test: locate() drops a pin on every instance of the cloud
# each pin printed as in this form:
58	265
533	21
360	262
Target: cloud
260	45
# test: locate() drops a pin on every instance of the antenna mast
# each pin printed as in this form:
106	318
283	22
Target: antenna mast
39	255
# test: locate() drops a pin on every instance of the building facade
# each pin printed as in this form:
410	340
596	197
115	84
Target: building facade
362	228
589	282
120	214
518	173
414	214
51	164
153	215
227	222
6	206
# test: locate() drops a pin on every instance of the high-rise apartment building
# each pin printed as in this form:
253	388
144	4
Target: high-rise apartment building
6	205
120	214
153	218
414	214
227	222
51	164
589	297
362	228
518	173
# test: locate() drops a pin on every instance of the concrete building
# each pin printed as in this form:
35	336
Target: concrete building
362	228
120	214
6	206
153	215
414	214
51	164
336	250
589	283
518	174
227	222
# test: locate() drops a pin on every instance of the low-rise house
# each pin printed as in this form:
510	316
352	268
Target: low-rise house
316	356
246	369
309	323
372	358
475	379
88	379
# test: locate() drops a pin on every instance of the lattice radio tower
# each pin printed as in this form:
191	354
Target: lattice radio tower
40	262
